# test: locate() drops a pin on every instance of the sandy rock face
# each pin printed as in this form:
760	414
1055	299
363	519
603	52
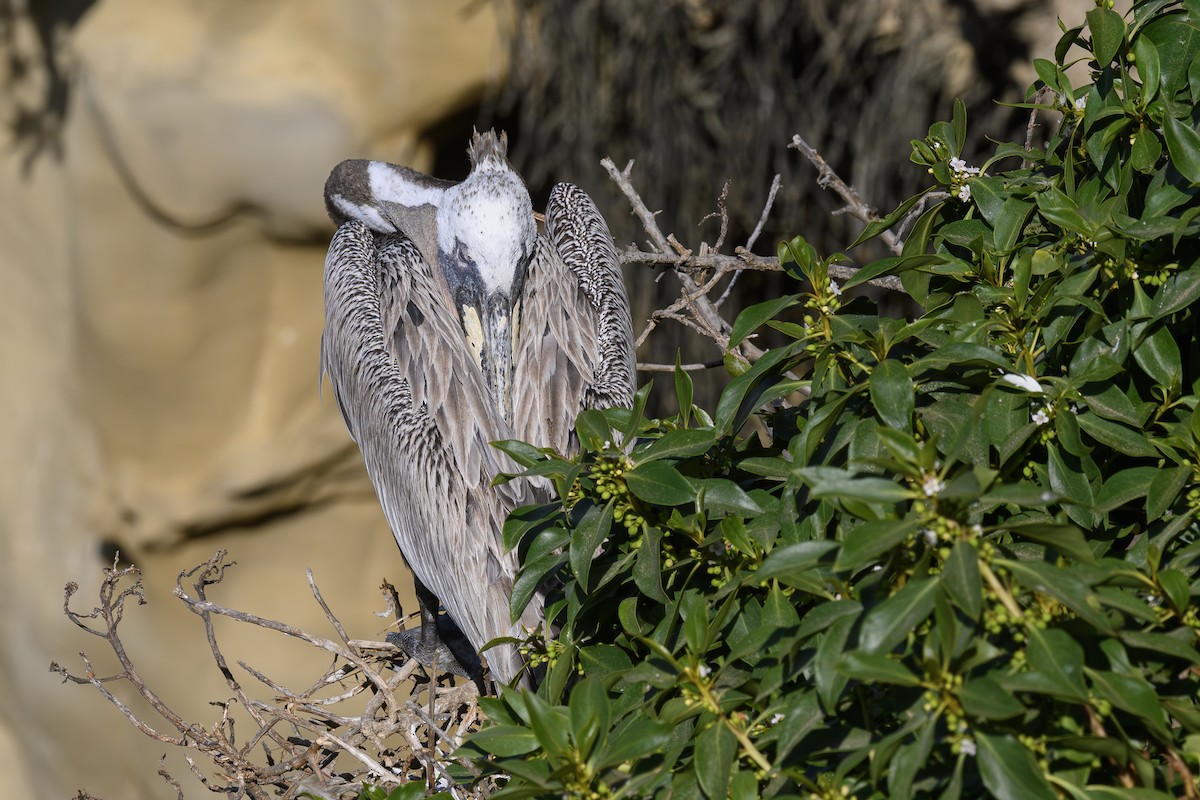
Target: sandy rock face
159	326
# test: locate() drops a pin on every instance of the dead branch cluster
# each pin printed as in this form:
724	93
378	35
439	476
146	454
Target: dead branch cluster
705	269
368	717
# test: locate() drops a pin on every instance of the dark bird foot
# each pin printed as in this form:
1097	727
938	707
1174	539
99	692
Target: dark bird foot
438	645
431	652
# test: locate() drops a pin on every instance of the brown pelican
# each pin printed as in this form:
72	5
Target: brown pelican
451	323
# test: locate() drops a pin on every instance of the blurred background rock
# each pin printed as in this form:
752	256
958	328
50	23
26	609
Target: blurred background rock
162	236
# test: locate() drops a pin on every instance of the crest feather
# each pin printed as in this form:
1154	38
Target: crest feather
488	148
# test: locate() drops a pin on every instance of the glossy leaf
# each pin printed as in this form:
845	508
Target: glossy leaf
892	393
1009	770
659	482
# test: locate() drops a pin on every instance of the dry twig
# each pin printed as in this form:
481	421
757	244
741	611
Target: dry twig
322	738
700	271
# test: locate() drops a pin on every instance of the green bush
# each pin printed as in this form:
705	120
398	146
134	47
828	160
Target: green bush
965	564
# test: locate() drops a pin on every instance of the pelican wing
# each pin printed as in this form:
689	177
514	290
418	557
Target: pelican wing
575	340
414	401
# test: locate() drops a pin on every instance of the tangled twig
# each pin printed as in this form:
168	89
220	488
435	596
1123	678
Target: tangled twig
701	270
321	739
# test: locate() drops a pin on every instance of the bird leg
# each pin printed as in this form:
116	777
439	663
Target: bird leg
438	642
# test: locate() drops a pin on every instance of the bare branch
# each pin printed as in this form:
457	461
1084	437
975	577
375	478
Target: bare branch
855	206
645	367
323	739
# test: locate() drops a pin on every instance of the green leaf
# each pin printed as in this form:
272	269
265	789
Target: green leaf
591	530
602	660
1175	586
888	623
958	355
1108	33
1133	695
647	569
1009	770
660	483
530	578
878	226
414	790
1117	436
984	698
592	428
867	490
1073	485
1066	539
1010	222
723	496
961	581
1062	585
524	454
681	443
1158	356
549	724
749	390
870	540
1164	488
1063	212
827	672
590	715
874	668
1175	647
1146	150
891	266
505	740
695	622
639	739
793	559
1179	292
1148	67
755	316
716	749
892	394
683	391
1183	143
1125	487
1057	659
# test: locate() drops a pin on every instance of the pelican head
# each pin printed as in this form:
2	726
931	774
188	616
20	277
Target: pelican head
486	236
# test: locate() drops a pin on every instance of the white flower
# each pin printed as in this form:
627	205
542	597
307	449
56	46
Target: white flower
1022	381
960	166
976	529
1081	103
776	719
930	485
968	747
964	193
1041	416
705	670
834	289
930	536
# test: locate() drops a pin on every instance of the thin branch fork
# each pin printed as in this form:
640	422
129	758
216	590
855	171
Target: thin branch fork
702	313
855	206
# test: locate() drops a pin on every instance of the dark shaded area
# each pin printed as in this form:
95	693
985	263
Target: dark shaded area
37	123
699	92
